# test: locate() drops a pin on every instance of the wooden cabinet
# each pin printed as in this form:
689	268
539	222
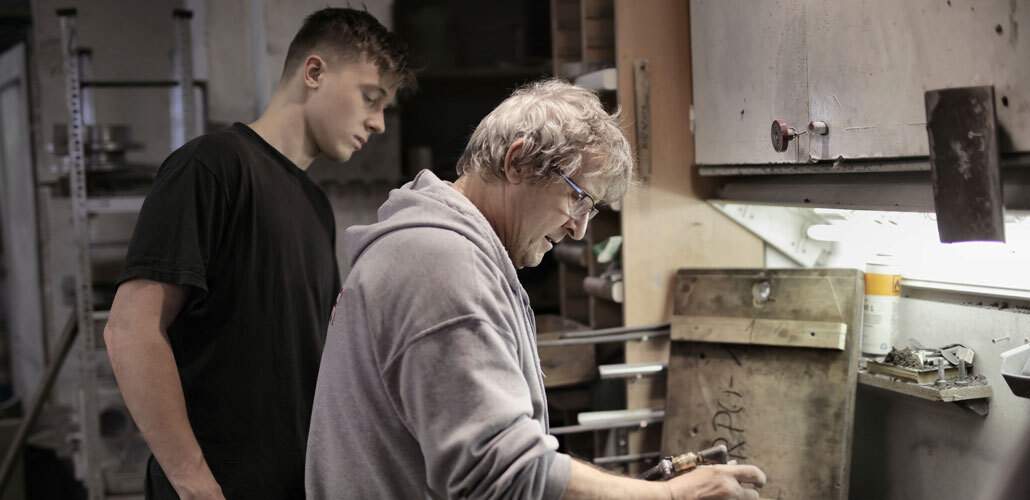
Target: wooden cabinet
862	67
749	69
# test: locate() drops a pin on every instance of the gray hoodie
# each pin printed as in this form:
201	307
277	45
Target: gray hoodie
430	384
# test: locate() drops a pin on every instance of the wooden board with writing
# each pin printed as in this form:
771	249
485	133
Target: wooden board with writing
787	409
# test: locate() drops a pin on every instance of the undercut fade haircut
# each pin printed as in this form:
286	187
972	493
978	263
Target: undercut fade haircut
349	35
565	130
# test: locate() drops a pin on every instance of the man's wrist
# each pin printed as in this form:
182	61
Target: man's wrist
662	490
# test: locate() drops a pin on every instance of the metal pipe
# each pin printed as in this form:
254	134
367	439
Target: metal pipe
613	331
630	370
142	84
622	459
601	339
654	417
68	335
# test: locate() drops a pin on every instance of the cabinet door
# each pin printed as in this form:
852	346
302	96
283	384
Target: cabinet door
749	68
870	62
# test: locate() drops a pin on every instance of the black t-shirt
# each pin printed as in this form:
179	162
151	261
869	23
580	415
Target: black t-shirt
252	239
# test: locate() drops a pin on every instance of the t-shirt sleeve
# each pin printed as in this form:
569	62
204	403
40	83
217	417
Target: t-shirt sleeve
180	226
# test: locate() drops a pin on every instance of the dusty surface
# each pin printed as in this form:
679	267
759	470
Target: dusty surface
903	357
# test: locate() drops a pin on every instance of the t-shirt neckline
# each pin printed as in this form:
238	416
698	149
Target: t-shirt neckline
278	155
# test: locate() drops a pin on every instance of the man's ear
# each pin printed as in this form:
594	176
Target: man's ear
314	68
514	173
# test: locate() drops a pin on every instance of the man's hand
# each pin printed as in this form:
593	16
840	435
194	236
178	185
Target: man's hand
718	482
144	365
203	487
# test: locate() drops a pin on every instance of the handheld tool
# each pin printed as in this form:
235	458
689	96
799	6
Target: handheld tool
670	467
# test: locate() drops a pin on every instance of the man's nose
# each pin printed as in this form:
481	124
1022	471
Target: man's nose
576	227
376	124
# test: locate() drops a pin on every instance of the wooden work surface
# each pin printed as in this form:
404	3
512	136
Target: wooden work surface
788	410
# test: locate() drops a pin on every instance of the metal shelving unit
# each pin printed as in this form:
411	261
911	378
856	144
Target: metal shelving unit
183	113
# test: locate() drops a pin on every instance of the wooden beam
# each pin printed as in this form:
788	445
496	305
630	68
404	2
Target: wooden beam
666	223
776	332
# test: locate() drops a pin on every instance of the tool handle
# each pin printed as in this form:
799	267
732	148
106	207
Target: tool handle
659	472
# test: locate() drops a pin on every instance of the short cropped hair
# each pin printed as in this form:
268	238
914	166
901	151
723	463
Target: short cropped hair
565	129
349	35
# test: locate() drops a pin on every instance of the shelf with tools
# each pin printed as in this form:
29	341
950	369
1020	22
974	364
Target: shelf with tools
944	375
950	391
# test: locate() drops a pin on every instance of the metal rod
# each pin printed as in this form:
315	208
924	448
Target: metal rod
655	417
622	459
183	110
630	370
642	336
613	331
49	377
121	84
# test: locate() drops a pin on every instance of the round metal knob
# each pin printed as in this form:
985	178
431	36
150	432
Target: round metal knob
782	134
818	128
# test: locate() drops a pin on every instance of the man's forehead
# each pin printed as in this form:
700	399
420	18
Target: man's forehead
590	182
588	177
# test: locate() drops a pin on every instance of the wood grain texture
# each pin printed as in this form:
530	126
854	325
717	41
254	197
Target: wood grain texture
781	332
666	224
788	410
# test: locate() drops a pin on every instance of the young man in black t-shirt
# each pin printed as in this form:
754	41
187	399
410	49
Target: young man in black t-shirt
217	327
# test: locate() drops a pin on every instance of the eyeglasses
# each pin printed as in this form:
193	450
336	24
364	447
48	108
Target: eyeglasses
584	204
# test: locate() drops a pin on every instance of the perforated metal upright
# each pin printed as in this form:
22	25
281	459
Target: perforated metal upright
89	433
183	115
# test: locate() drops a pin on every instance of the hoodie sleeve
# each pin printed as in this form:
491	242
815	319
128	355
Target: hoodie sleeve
459	389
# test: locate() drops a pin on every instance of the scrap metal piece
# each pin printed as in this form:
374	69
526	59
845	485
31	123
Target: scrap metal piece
957	353
964	158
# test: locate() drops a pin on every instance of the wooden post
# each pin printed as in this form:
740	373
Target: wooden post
666	223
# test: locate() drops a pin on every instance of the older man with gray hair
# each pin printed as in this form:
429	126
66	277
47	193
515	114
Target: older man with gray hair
430	384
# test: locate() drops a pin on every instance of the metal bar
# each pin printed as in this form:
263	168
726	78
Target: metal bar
183	110
49	377
83	276
642	336
613	331
122	84
979	290
114	205
630	370
86	68
630	458
610	425
844	166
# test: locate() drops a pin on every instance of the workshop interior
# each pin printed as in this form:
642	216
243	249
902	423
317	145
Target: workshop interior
822	266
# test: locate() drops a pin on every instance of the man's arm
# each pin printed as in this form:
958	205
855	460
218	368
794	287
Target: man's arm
716	482
137	343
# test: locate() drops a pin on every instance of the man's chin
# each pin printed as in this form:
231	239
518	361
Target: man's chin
340	156
532	261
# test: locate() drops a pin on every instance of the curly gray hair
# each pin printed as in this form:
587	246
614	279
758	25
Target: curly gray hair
562	126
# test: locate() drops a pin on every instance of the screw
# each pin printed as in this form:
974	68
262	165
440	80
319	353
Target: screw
999	339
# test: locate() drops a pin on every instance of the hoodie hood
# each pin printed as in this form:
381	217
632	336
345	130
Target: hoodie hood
427	201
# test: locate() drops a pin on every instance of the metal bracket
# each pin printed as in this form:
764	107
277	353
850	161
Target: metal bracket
980	407
785	229
642	117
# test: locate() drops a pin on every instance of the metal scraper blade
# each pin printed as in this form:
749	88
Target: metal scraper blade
964	158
